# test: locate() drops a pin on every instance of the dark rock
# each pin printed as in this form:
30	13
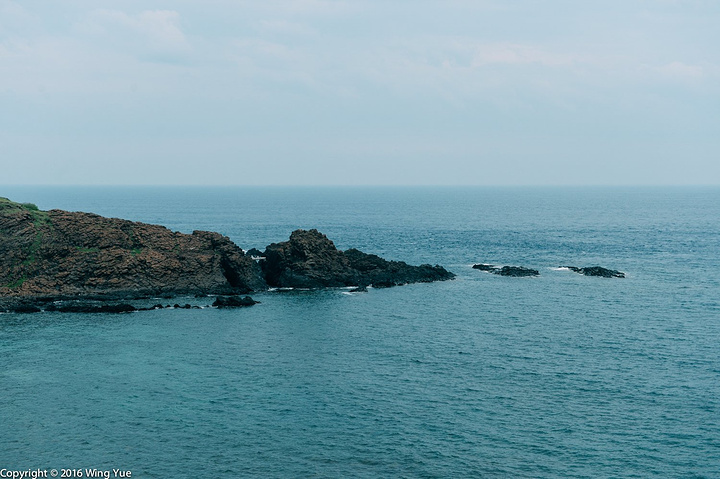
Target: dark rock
516	271
25	308
254	252
359	289
233	301
485	267
310	260
90	307
512	271
374	270
117	308
597	271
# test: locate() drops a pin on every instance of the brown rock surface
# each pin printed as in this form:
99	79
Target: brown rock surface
62	254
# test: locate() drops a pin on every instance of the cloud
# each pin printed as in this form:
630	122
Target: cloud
518	54
311	7
153	35
682	70
285	27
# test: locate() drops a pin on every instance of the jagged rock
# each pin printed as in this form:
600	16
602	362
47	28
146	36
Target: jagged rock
376	270
90	307
485	267
310	260
597	271
233	301
513	271
254	253
517	271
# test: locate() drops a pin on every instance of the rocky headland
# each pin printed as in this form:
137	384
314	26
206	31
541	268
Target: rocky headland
50	256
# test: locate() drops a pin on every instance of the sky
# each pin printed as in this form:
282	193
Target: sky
360	92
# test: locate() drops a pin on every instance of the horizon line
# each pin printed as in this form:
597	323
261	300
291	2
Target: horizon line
423	185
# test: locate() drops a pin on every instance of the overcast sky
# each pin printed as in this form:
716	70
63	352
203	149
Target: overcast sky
308	92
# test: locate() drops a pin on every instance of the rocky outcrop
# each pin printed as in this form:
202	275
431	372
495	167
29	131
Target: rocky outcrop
310	260
254	253
597	271
28	305
485	267
233	302
62	254
517	271
512	271
57	255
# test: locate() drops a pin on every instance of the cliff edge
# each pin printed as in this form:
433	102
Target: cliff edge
62	254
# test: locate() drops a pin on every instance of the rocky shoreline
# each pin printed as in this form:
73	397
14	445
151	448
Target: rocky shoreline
81	262
59	258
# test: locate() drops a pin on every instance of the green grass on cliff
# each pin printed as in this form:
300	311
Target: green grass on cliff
41	222
15	284
7	205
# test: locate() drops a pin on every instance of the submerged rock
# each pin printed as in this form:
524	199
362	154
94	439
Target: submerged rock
517	271
233	302
91	307
485	267
512	271
310	260
597	271
24	308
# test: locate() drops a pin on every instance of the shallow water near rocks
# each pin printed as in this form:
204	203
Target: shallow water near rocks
559	375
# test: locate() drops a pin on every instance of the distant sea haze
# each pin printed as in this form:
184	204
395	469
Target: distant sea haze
557	375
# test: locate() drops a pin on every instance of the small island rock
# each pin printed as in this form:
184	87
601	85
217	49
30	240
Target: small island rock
597	271
512	271
233	302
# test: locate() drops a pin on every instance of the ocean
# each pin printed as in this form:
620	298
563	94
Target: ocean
560	375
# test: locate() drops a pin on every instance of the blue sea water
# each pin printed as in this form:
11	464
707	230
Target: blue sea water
485	376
